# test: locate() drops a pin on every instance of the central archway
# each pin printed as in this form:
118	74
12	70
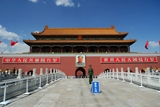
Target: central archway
80	72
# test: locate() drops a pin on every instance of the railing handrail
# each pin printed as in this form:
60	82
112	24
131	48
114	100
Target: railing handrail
25	78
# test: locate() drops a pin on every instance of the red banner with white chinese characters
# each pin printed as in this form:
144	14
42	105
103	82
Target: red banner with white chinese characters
31	60
122	59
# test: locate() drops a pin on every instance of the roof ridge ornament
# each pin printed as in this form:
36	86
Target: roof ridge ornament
46	27
112	27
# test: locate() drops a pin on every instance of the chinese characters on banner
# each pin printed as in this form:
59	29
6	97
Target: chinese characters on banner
137	59
31	60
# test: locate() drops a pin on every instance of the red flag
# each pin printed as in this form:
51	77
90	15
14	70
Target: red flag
0	41
159	42
146	45
13	43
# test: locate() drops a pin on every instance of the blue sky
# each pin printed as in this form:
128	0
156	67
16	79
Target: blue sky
140	18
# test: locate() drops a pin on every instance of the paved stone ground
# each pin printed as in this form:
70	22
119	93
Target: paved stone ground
77	93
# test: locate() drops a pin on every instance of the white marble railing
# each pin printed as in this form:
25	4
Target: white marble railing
142	79
13	87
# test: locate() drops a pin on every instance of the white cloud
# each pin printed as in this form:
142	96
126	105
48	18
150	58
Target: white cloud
4	34
34	1
17	48
66	3
3	47
78	5
153	44
36	32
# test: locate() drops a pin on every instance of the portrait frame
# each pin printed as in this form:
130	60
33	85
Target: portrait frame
77	63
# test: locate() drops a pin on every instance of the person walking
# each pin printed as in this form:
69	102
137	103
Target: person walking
90	74
156	71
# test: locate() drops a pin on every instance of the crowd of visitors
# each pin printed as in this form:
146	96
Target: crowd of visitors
154	71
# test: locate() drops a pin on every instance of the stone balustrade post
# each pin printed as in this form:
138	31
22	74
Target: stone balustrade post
50	71
141	79
34	72
117	73
16	72
122	75
148	75
47	71
19	74
1	72
30	73
9	72
41	71
0	75
121	72
128	72
47	76
105	74
60	72
51	74
26	73
110	73
136	73
113	72
55	74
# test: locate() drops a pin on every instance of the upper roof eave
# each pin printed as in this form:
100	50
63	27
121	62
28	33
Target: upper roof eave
78	31
79	41
39	34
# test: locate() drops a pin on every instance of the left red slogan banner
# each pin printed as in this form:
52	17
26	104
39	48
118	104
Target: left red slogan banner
31	60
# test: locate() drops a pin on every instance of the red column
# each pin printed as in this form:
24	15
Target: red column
98	49
50	49
61	49
118	49
72	49
40	50
108	49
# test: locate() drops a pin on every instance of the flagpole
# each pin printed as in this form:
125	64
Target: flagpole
159	45
10	48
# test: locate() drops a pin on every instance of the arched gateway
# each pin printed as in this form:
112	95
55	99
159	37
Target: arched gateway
80	72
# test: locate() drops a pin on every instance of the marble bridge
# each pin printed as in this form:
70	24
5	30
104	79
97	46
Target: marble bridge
118	89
